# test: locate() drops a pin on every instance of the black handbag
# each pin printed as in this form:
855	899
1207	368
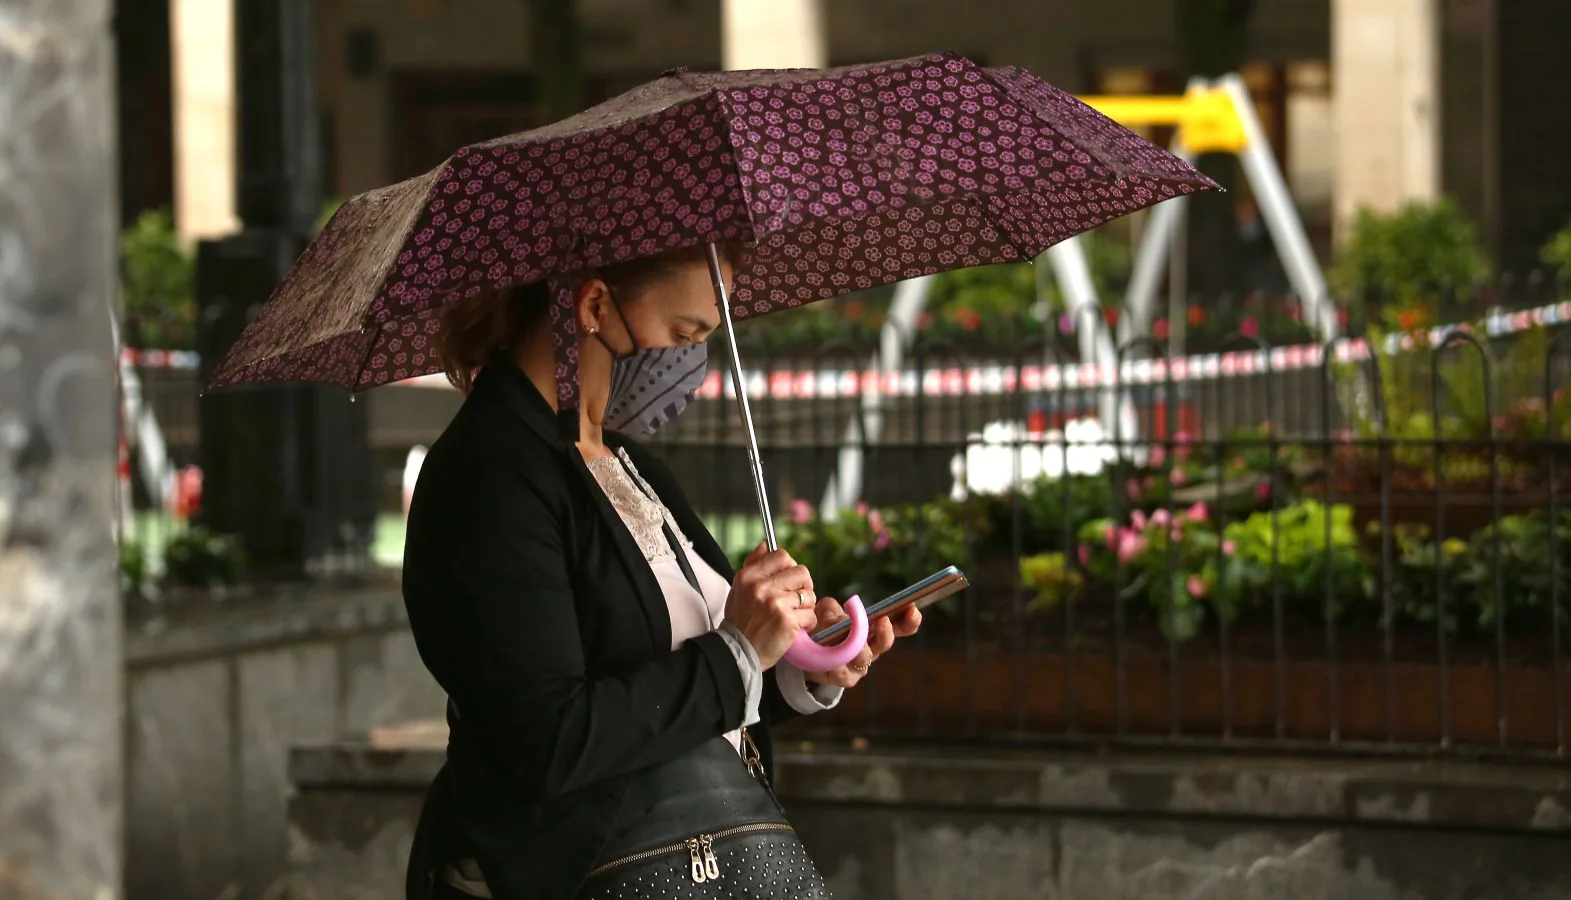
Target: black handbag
705	825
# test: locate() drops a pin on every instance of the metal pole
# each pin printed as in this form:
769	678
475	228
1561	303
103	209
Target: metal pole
723	300
1178	284
1145	275
1279	212
61	667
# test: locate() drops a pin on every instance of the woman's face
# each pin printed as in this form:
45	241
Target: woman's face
675	311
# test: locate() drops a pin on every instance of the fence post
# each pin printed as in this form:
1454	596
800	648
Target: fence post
60	625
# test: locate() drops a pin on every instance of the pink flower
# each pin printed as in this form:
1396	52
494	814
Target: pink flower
1197	513
1182	437
1084	554
1196	586
1138	520
1158	454
861	508
801	511
1130	543
1344	436
1263	491
1161	517
875	520
1249	328
1229	548
1179	477
881	542
1177	534
1132	488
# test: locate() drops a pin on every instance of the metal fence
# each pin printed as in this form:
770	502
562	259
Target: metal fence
1297	546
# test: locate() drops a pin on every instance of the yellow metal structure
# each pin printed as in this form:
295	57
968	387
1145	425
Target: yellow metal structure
1206	119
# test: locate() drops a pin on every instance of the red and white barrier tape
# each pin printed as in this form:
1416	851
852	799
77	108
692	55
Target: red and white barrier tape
1000	379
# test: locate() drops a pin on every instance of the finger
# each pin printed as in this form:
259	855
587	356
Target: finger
804	620
829	610
756	555
842	677
770	563
881	636
789	609
800	598
792	579
907	622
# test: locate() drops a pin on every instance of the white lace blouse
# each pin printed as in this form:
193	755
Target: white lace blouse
693	612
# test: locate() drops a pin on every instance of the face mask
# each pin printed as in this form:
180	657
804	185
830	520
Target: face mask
652	385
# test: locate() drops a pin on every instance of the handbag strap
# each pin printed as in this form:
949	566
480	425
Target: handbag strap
682	561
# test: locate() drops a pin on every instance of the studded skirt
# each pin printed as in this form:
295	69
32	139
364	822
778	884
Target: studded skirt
704	826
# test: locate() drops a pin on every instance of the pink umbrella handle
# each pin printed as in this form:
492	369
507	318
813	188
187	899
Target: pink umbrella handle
810	656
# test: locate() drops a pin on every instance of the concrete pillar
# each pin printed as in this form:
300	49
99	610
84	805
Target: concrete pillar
1385	68
202	41
773	34
60	624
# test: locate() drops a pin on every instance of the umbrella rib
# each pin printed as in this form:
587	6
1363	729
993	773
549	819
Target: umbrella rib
370	348
736	168
1114	168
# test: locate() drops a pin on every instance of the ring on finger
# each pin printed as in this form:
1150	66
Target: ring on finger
803	600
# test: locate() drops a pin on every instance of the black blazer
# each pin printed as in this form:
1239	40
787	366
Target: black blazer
533	607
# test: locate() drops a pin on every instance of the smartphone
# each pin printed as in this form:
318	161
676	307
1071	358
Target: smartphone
935	587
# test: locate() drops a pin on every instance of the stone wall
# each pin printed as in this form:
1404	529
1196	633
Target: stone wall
216	695
903	824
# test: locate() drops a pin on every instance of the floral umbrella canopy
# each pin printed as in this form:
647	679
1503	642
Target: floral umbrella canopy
836	180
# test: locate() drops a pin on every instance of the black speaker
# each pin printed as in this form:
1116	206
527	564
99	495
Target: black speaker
285	468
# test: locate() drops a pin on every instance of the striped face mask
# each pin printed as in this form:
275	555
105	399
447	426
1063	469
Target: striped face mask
651	385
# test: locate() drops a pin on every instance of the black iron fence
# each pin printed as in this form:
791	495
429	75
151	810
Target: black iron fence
1299	546
1304	545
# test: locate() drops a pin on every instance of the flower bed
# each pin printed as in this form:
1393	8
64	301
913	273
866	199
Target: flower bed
1221	558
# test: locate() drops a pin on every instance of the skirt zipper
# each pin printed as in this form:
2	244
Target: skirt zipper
703	865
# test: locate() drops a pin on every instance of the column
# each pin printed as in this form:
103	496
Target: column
60	625
202	41
1385	103
773	34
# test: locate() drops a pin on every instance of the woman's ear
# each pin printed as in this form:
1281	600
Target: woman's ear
593	295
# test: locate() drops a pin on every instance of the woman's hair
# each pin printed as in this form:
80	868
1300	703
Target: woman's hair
476	326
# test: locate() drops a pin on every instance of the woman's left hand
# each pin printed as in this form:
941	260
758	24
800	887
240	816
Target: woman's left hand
881	634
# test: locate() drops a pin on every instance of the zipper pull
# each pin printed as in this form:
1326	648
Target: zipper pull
697	868
711	862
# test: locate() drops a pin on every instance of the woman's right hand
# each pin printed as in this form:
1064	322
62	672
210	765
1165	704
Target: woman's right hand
771	602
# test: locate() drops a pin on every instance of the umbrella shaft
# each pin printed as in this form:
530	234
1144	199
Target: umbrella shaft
755	461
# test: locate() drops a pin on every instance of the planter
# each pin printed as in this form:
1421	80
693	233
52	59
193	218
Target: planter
1460	508
981	667
939	693
1463	514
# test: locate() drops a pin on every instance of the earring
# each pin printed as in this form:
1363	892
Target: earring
593	330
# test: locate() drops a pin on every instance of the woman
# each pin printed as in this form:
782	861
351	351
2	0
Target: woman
610	679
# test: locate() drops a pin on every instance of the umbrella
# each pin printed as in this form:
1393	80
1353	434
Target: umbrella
835	181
